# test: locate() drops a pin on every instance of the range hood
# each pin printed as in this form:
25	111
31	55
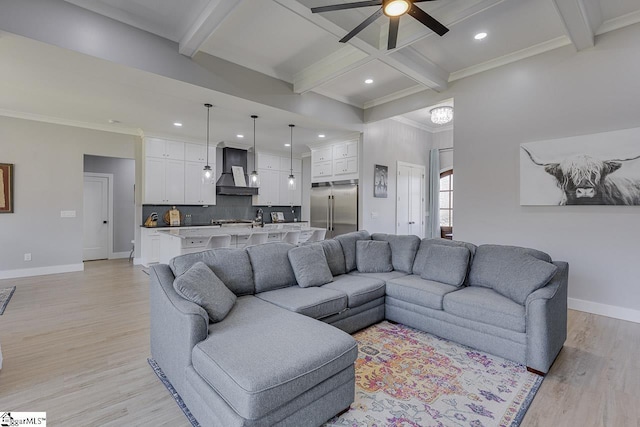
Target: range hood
226	185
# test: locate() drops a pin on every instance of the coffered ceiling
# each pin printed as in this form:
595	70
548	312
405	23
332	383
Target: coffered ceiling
283	40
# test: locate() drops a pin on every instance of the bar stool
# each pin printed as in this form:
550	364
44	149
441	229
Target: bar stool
291	237
257	238
317	235
219	241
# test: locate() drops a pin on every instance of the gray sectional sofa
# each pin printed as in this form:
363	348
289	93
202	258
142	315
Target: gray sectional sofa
276	349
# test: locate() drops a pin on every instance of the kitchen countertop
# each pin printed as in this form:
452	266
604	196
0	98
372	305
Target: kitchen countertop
234	231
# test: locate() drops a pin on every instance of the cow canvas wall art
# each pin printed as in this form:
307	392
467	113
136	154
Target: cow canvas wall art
597	169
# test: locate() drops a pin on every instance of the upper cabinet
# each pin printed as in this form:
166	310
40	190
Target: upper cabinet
335	162
274	187
268	161
172	173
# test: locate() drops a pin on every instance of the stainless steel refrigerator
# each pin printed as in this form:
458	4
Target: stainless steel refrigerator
334	206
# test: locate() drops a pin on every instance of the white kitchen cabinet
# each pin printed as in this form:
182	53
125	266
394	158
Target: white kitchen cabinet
269	191
345	166
289	197
164	181
285	165
322	154
345	149
164	149
268	161
150	245
322	170
198	153
195	192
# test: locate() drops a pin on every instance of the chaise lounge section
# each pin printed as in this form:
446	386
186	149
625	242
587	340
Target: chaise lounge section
281	354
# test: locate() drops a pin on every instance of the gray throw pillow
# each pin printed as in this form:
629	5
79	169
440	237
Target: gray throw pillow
310	266
200	285
512	273
446	264
373	256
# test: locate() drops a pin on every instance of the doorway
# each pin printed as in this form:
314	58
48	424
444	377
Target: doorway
410	204
97	208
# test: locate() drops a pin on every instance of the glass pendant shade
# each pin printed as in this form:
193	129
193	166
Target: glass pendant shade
291	182
254	179
207	175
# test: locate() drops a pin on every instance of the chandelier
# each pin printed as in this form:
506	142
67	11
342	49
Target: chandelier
442	115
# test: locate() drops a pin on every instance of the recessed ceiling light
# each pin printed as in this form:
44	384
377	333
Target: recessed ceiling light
480	36
178	124
368	81
321	135
240	136
287	145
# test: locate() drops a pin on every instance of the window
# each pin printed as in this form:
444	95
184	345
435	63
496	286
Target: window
446	199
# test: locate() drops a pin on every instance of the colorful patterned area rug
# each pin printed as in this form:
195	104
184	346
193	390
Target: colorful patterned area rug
408	378
5	296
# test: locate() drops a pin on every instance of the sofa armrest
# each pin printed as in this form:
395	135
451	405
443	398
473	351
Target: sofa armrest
546	320
177	325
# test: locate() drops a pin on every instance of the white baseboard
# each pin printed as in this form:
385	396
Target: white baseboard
119	255
613	311
41	271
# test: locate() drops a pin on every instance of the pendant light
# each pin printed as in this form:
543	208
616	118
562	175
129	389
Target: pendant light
254	178
207	172
292	179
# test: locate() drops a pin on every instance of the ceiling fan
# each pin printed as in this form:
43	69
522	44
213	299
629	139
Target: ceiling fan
394	9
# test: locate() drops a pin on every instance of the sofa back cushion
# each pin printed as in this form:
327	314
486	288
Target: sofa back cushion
232	266
446	264
421	256
403	250
271	267
373	256
310	266
335	256
199	284
511	271
348	243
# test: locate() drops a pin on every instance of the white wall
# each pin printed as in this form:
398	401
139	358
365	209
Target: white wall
444	141
48	176
385	142
124	176
305	213
557	94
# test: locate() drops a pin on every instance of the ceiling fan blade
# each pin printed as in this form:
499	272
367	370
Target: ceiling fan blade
394	23
427	20
346	6
362	26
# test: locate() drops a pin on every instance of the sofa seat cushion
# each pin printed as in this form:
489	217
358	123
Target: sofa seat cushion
316	302
359	290
486	306
417	290
258	366
385	277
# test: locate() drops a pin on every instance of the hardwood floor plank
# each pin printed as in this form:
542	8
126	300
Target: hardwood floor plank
76	345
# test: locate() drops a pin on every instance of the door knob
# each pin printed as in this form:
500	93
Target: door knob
104	222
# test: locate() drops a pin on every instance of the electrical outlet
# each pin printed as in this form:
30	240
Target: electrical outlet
67	214
27	257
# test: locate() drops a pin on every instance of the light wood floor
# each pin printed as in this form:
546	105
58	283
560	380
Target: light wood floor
76	346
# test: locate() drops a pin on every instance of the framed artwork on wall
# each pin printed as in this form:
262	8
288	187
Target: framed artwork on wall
6	188
596	169
380	180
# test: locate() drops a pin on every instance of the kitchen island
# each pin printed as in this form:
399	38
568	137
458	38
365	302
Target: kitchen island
174	242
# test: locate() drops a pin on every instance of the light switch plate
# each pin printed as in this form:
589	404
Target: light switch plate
67	214
374	215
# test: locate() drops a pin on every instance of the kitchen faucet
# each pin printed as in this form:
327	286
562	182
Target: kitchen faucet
259	218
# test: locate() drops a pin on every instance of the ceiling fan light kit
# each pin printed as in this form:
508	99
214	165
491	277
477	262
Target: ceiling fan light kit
394	9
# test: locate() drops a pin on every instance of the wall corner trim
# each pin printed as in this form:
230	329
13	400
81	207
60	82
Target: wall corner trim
41	271
612	311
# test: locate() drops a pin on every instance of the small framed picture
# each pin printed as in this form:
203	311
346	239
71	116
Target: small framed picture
380	176
6	188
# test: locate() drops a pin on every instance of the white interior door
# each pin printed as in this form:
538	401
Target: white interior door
410	199
96	218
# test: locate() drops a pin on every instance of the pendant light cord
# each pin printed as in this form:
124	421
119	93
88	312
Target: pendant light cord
291	147
208	110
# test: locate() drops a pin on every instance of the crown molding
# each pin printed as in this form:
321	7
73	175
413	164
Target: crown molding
619	22
74	123
511	57
422	126
393	96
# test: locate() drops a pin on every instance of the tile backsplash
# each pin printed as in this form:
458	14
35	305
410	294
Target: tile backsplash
226	207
